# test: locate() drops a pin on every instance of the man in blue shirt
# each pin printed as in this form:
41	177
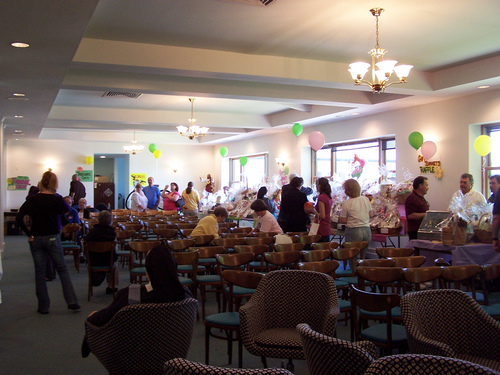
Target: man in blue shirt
153	194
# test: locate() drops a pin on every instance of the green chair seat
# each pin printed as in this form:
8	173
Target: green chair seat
207	261
238	290
185	280
208	279
395	312
344	304
348	279
141	270
188	267
378	333
491	310
226	318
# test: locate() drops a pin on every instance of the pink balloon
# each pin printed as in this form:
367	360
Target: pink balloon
428	149
316	140
79	169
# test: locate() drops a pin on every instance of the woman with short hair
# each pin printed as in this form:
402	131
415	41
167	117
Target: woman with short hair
139	201
191	200
356	213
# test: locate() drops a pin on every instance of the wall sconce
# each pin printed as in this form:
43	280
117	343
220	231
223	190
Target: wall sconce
175	170
281	161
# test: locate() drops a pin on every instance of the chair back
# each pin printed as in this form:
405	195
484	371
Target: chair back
373	302
328	355
409	262
186	225
244	279
209	251
259	240
420	275
149	335
286	298
255	249
454	276
202	240
347	255
325	266
385	278
316	255
233	235
375	262
244	230
284	260
361	245
307	240
180	245
70	228
285	247
324	245
179	366
166	226
456	325
229	243
233	260
417	364
393	252
165	233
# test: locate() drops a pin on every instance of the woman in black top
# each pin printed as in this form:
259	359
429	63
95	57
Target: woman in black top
295	219
45	209
161	271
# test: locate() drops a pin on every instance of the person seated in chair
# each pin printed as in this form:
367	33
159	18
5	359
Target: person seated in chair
164	286
102	232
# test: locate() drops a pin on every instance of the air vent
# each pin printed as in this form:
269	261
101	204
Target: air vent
116	94
252	2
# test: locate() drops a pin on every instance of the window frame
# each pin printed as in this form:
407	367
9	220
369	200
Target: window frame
233	180
382	144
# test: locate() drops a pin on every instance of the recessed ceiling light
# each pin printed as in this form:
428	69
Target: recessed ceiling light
18	131
102	157
18	94
18	116
19	45
355	114
483	87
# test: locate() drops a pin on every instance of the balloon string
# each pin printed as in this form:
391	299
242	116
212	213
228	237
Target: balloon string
296	153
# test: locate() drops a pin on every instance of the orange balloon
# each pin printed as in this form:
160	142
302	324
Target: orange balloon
308	205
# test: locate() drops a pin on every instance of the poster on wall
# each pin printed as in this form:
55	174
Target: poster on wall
138	177
18	183
85	176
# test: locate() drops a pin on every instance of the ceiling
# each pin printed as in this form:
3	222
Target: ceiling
253	69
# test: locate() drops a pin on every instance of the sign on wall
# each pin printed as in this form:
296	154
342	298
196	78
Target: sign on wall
138	177
18	183
85	176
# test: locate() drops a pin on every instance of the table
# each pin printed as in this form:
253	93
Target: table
239	220
471	253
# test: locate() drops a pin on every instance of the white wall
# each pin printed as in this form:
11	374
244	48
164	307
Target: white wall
33	158
451	124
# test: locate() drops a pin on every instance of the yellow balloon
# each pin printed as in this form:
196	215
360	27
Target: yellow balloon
482	144
157	154
89	160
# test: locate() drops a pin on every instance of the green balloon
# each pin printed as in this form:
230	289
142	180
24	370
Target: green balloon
297	129
223	151
286	170
152	147
416	139
243	160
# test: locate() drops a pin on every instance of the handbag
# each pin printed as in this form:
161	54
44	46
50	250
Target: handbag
180	203
313	230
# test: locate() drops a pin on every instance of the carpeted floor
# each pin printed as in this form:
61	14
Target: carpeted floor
31	343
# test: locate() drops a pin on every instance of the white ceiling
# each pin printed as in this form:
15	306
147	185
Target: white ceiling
252	69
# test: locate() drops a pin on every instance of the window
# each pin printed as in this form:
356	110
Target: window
492	160
250	175
360	160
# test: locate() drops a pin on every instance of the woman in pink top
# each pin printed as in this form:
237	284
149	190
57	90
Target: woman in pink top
323	208
266	222
169	198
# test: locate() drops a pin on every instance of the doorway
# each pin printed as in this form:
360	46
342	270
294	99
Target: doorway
111	173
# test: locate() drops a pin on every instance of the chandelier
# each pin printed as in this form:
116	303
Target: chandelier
134	148
192	131
381	69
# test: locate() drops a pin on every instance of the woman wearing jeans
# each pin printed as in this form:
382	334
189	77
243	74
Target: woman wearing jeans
44	209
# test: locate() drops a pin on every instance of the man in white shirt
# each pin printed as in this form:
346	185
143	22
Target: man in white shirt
467	193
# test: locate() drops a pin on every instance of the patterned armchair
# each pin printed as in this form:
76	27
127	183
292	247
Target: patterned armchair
417	364
283	300
140	338
179	366
449	323
328	355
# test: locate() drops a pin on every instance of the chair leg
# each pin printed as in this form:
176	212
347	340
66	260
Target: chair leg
230	346
240	350
207	343
203	300
264	361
